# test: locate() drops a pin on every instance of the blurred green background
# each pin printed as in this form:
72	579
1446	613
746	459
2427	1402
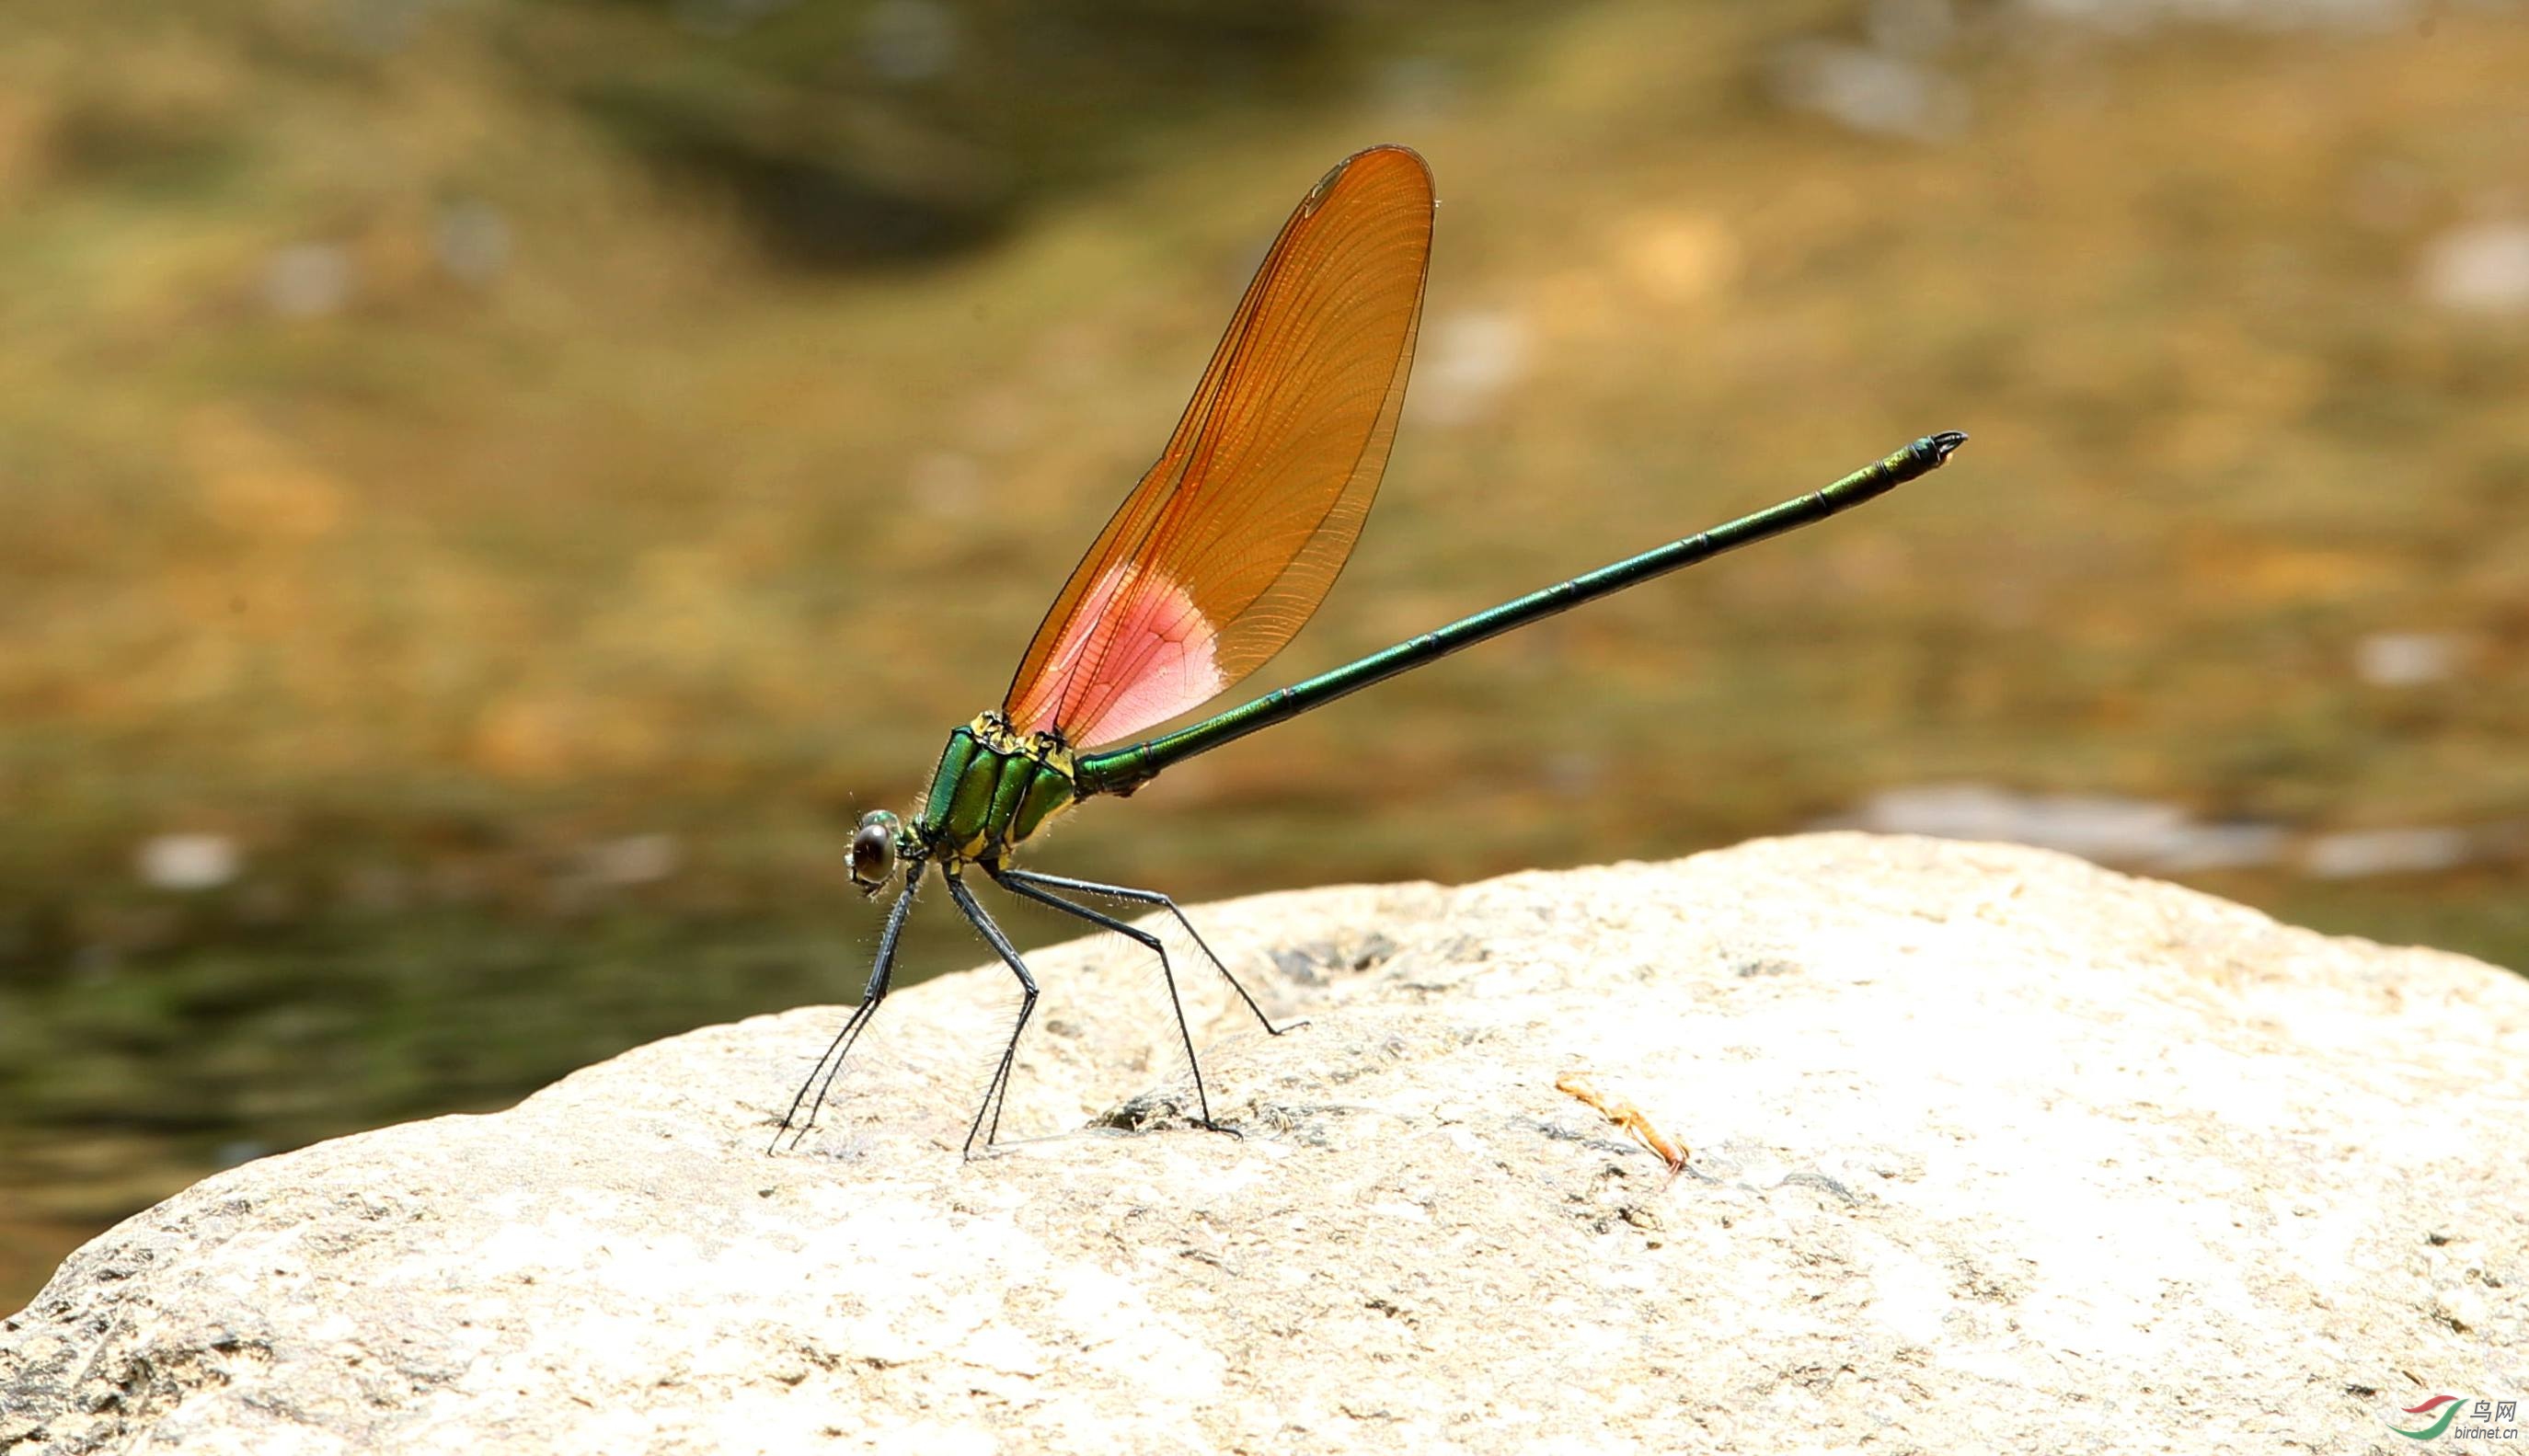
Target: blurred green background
489	491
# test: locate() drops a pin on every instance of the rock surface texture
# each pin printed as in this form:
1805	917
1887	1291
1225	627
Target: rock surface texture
1993	1150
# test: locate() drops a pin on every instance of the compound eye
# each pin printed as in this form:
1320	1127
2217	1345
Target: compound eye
874	850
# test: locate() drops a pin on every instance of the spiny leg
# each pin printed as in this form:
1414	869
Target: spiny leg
1012	880
831	1066
1022	884
1000	1086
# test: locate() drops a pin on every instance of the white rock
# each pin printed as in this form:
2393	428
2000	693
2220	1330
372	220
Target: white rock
910	40
186	862
2356	853
307	280
2407	659
1987	1142
1869	91
2271	14
634	859
472	241
2106	827
1467	360
2481	268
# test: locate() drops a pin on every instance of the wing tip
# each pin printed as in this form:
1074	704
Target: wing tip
1384	157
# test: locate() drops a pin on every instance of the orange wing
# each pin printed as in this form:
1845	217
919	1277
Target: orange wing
1225	549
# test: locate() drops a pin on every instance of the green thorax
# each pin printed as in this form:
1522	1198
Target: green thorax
993	789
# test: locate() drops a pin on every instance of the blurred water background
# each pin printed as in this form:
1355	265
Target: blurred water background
489	492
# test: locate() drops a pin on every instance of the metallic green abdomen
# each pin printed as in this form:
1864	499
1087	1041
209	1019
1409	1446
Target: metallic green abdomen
993	789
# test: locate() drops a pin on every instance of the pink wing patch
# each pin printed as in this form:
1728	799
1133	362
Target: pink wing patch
1137	651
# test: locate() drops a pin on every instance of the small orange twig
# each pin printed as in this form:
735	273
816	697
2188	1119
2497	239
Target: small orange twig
1627	1116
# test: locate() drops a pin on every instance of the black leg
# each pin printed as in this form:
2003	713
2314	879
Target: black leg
997	1095
828	1066
1024	884
1012	880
